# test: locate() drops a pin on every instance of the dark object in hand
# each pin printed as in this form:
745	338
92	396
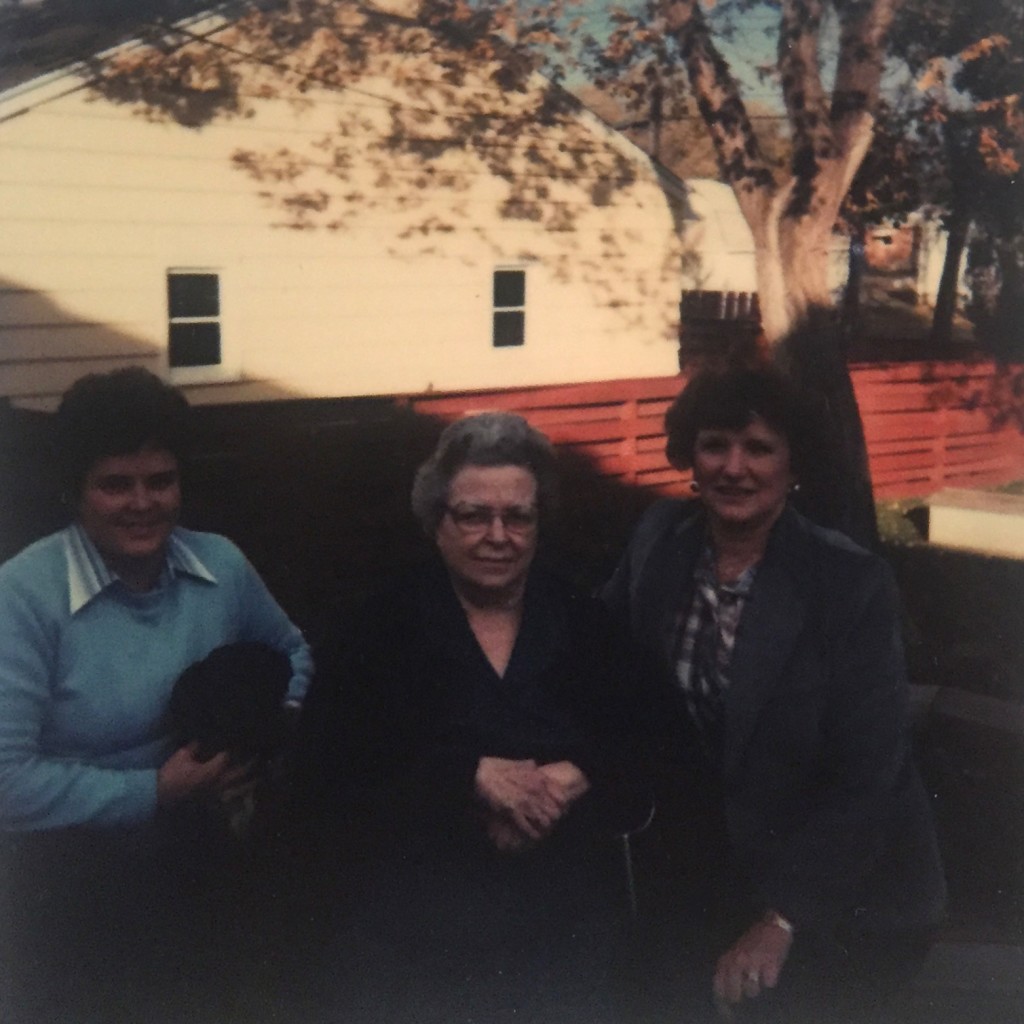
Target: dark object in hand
232	700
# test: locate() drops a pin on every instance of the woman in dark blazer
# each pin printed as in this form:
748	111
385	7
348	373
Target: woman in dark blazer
796	862
475	732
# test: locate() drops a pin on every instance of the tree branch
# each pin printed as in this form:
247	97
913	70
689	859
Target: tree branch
864	25
721	106
806	103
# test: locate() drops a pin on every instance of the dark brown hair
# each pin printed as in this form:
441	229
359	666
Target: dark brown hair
729	400
117	413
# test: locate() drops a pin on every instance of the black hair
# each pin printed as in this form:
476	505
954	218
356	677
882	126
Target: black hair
117	413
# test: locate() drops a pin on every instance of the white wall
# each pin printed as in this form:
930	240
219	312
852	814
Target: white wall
720	237
97	202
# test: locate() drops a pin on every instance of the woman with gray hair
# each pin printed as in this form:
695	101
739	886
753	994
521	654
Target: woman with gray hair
482	719
480	496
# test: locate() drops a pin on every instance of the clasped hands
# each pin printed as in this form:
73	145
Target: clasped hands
523	801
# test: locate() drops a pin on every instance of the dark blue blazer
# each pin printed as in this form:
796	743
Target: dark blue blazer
825	812
409	704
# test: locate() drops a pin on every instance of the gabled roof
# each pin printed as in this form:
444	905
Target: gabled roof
42	39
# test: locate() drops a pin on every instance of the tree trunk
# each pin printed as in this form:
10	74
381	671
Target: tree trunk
792	223
791	265
836	488
806	342
1008	340
949	282
805	258
852	311
772	285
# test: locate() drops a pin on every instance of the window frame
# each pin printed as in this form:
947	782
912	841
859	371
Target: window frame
498	310
226	368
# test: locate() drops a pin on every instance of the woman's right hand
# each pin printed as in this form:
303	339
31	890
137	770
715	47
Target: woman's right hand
566	781
518	790
183	776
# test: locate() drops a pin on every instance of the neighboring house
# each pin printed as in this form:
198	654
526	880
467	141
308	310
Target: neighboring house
374	212
902	263
717	240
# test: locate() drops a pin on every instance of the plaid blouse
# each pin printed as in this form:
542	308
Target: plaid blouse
704	642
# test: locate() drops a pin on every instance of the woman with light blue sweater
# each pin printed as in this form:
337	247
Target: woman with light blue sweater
98	621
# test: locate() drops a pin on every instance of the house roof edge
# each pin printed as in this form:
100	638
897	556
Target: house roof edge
48	82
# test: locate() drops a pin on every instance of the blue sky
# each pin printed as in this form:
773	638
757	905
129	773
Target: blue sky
753	43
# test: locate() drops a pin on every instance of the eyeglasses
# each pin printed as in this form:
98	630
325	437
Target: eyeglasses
474	519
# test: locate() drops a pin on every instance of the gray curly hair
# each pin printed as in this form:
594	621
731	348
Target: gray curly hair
486	439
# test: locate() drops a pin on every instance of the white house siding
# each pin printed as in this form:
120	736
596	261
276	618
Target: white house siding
718	239
721	247
97	202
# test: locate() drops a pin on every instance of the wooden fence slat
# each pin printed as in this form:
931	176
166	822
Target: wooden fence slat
922	398
566	414
886	373
910	425
953	463
954	439
582	433
590	393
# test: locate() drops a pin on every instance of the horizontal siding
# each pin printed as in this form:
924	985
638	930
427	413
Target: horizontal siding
37	380
96	204
69	342
26	309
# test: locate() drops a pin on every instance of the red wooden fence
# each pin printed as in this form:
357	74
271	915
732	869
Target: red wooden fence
928	425
934	425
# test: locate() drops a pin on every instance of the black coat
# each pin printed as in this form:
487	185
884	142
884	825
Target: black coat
824	812
408	704
428	921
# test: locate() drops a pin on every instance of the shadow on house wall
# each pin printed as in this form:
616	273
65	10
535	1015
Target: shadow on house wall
46	347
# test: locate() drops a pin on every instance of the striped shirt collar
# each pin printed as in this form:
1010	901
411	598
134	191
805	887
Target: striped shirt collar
89	576
707	580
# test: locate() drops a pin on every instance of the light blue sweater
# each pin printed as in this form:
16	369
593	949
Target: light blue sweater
86	671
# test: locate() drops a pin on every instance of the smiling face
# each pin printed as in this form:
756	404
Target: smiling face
488	534
128	507
744	475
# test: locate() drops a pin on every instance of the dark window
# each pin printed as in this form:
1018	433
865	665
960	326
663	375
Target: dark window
509	287
193	294
193	304
195	344
509	328
509	318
